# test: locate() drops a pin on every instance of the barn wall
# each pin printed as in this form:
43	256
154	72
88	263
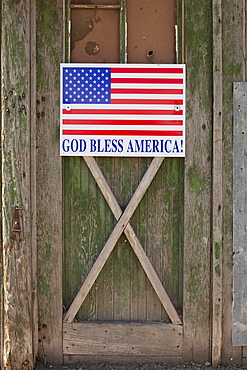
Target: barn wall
212	44
233	69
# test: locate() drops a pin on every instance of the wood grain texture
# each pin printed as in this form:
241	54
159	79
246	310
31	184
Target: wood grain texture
111	242
233	51
33	193
133	240
123	339
49	26
239	322
18	266
197	211
217	187
122	291
86	240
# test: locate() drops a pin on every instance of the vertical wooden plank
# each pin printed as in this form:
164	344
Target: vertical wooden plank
217	196
154	241
49	179
18	267
106	282
122	184
233	68
139	221
239	322
244	356
33	171
197	218
1	240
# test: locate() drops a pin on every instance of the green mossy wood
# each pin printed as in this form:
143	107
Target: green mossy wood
49	55
176	221
197	234
18	284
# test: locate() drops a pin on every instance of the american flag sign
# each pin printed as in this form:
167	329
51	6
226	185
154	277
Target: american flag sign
122	110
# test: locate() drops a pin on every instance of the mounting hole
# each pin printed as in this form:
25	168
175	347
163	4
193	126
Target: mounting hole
150	53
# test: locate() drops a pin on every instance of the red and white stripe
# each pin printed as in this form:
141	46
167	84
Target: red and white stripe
145	101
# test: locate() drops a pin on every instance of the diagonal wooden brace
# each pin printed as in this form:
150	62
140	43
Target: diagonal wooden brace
134	241
119	228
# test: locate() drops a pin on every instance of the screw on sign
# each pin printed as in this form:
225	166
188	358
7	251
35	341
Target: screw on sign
16	220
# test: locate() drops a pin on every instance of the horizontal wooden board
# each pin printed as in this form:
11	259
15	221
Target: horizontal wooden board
123	339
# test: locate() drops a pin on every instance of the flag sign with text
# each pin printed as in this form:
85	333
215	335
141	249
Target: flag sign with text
133	110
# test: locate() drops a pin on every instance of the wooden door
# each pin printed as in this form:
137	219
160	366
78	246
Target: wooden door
122	314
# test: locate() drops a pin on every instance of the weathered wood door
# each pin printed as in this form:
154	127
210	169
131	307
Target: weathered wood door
122	314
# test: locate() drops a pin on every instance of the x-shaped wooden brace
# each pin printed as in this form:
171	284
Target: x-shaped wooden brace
123	225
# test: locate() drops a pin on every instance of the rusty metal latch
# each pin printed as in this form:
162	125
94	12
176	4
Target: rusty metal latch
16	228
